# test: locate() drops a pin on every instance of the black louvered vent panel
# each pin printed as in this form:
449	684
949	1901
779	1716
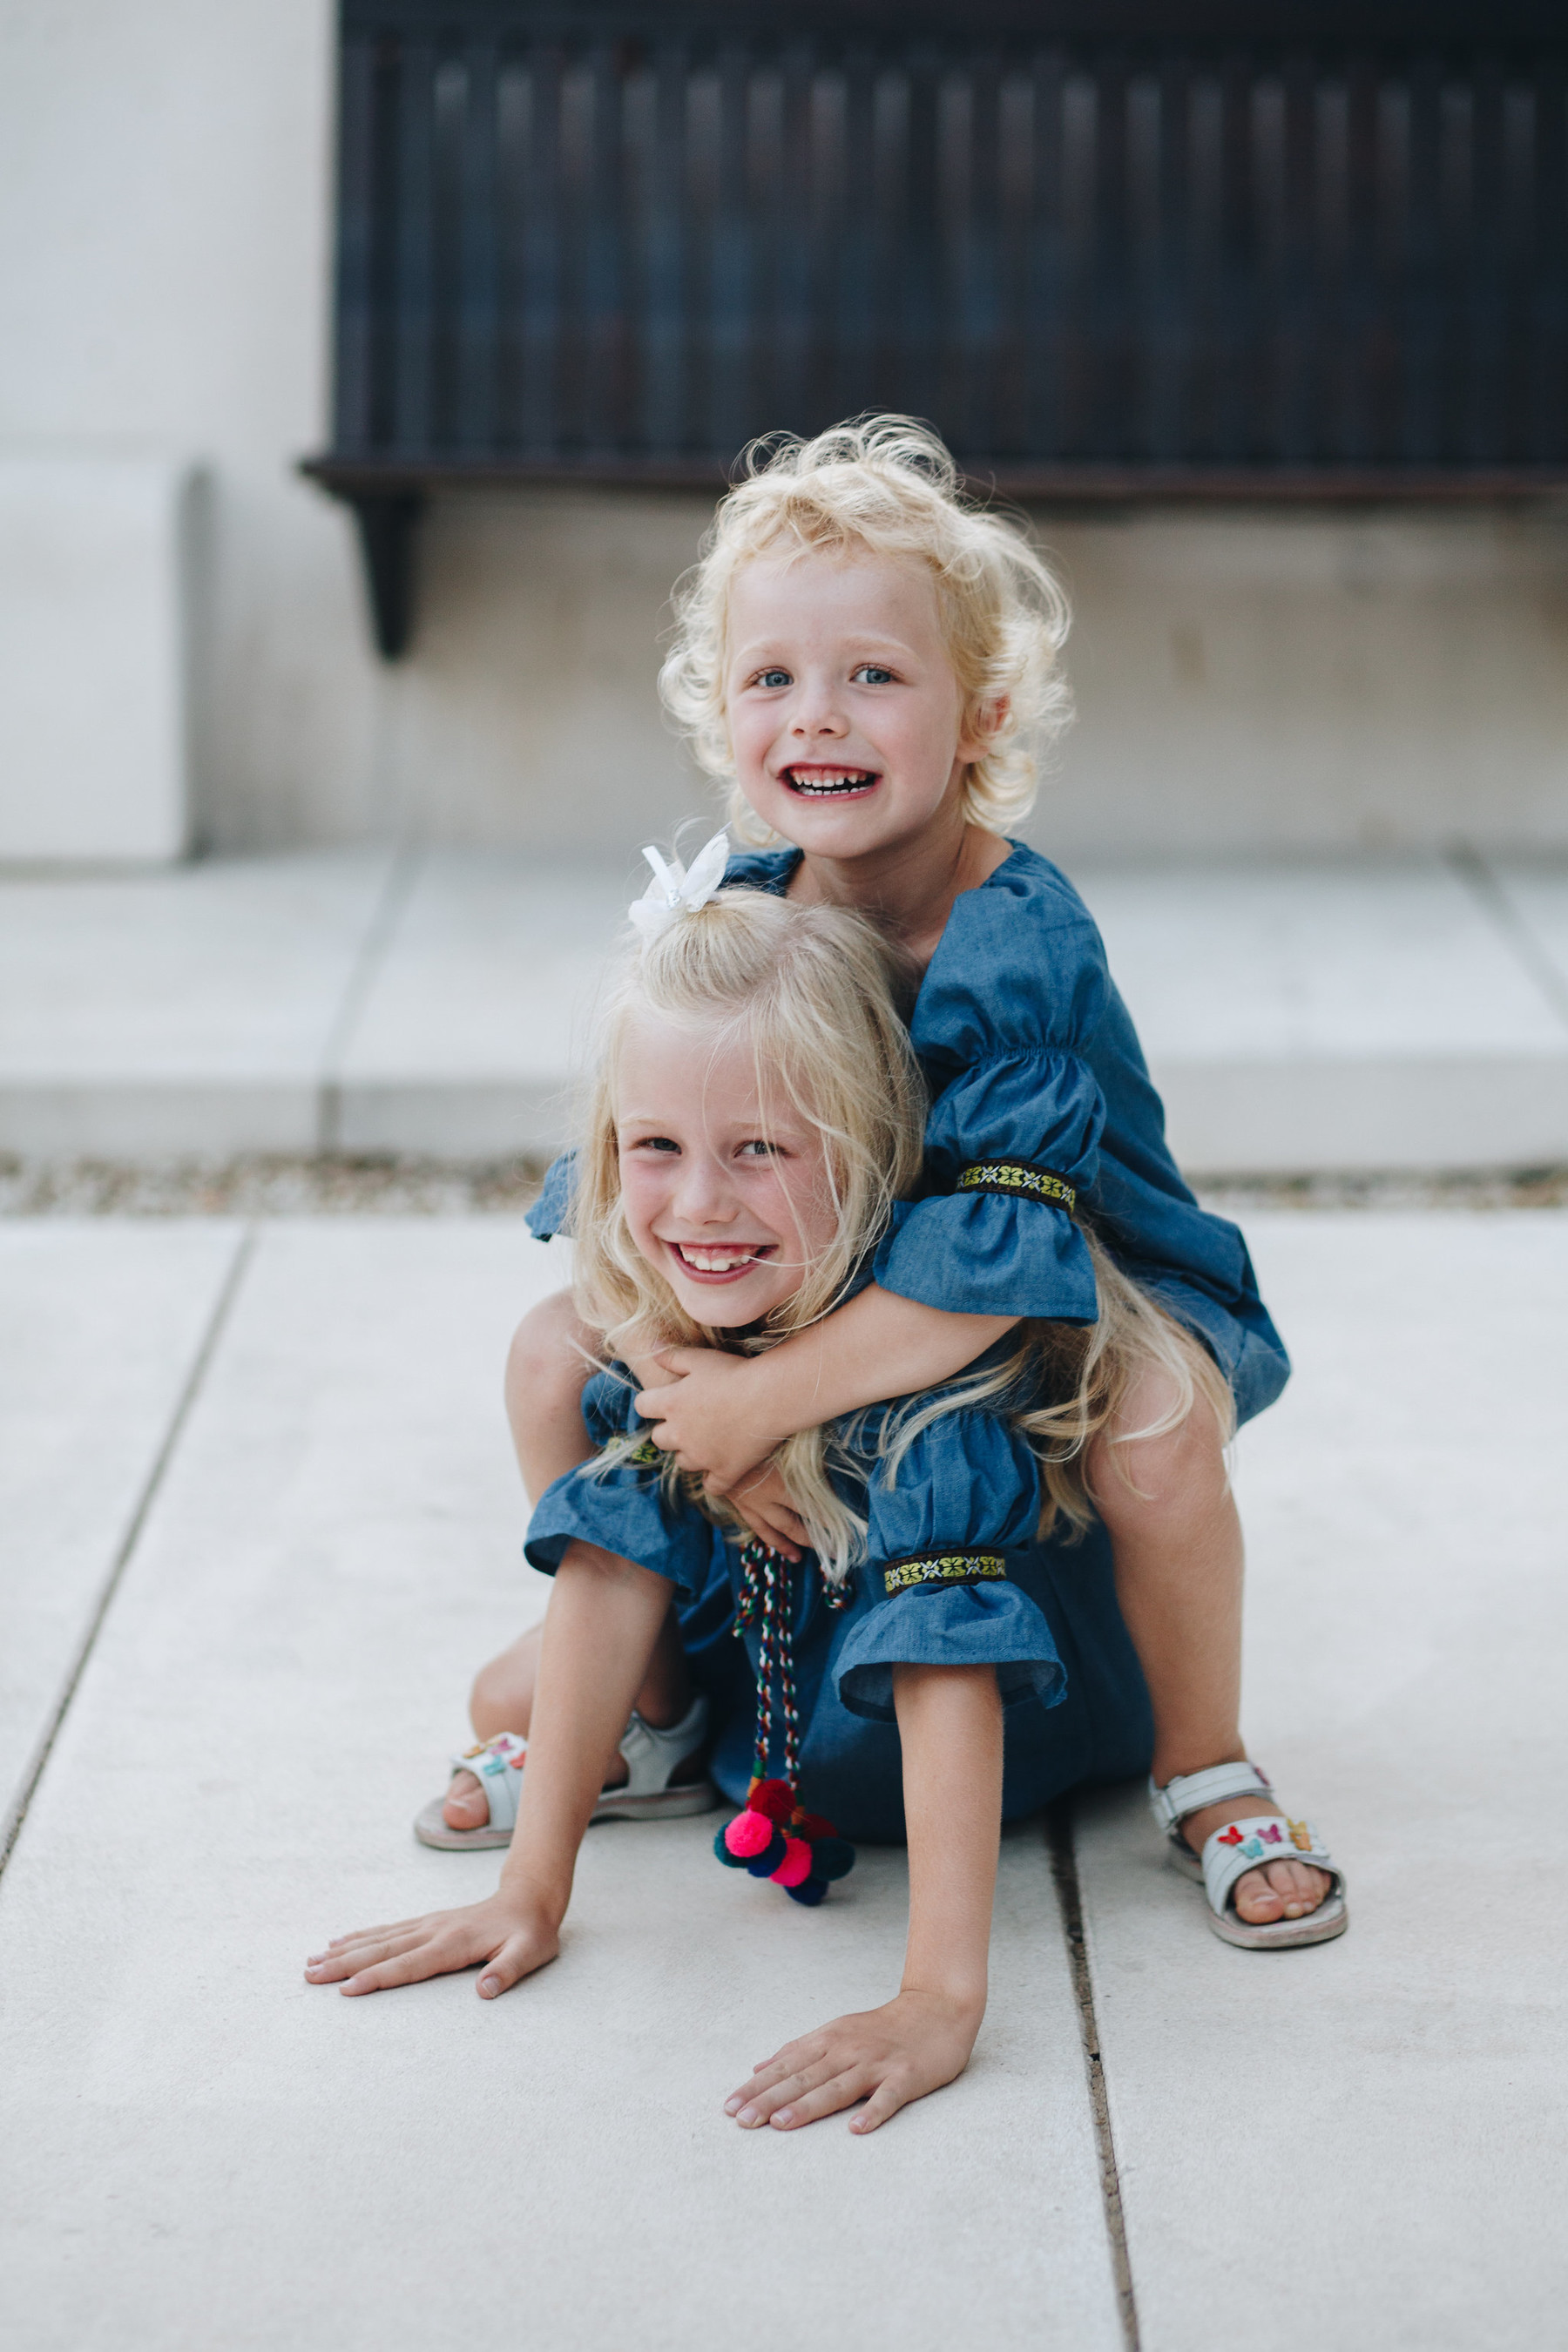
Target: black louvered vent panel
566	238
1207	245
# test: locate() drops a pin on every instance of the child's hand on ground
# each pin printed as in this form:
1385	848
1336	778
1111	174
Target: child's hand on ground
886	2056
514	1941
700	1416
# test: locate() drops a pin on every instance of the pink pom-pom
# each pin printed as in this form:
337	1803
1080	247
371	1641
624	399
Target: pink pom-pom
747	1833
796	1865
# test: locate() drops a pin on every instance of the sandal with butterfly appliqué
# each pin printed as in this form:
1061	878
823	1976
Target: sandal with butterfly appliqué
650	1792
1237	1847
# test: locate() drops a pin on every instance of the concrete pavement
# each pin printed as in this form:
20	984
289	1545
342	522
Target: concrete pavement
197	2149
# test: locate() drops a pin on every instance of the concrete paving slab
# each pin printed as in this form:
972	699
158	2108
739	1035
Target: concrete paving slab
1352	1015
189	1010
200	2148
1363	2142
1348	1015
102	1324
470	1027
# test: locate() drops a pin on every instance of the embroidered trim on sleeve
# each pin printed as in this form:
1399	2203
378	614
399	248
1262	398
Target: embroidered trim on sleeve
944	1568
1020	1180
644	1456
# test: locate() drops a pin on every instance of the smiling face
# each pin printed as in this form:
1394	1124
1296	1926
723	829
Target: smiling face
726	1191
843	710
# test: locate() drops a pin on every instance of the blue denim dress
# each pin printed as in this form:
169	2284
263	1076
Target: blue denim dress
970	1585
1034	1066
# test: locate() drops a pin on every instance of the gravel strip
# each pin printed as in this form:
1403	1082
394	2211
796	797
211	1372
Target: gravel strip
268	1186
262	1185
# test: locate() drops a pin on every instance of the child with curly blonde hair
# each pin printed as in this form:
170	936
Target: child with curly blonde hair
871	663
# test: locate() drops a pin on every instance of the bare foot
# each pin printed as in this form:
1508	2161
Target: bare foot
1275	1890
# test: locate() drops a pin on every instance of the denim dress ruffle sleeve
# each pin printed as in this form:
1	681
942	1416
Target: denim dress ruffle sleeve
963	1504
1016	989
1034	1065
627	1508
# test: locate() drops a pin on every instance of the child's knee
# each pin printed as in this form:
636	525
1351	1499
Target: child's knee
545	1363
501	1698
1148	1467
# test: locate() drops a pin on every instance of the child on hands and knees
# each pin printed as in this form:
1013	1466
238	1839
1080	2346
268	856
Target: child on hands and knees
758	1116
866	658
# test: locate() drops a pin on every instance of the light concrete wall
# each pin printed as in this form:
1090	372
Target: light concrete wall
1247	681
527	710
165	224
1314	680
93	627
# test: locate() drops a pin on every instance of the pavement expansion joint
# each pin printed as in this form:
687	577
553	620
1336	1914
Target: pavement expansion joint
1064	1875
1499	905
201	1363
380	931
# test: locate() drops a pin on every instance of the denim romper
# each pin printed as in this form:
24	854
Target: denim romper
953	1575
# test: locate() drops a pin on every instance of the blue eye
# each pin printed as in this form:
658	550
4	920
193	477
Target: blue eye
872	674
773	677
760	1149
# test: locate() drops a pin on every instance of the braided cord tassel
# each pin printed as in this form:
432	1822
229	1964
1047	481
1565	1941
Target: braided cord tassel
774	1836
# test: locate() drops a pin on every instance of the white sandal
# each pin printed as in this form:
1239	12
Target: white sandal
1239	1846
649	1792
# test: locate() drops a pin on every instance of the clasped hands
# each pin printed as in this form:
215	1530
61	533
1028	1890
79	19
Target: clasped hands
701	1403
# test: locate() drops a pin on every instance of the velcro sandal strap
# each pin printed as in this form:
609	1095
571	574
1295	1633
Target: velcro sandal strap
496	1765
1252	1844
653	1754
1190	1792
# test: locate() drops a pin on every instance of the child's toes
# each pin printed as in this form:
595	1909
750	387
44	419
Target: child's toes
1257	1902
1300	1889
466	1806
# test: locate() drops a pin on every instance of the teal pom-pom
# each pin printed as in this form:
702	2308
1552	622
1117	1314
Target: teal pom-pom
730	1861
832	1857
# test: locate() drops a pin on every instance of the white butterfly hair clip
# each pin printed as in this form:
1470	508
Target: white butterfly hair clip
675	890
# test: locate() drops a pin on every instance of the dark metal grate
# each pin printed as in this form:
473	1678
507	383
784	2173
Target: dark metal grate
1232	247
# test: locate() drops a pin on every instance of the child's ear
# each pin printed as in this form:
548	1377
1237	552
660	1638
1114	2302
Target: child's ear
985	723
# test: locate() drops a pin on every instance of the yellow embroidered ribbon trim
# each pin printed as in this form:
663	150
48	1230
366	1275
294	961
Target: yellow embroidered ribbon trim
946	1568
643	1456
1016	1177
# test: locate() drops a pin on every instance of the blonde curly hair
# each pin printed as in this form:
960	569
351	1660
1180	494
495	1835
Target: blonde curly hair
886	486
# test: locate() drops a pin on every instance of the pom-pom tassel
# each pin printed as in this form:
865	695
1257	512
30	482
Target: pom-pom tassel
805	1856
774	1836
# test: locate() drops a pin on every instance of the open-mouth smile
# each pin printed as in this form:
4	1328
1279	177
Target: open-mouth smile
720	1261
829	784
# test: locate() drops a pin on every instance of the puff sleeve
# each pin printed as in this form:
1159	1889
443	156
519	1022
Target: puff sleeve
968	1483
1015	990
551	1213
628	1510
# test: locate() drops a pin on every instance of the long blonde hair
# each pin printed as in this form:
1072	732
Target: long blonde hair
820	994
886	486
